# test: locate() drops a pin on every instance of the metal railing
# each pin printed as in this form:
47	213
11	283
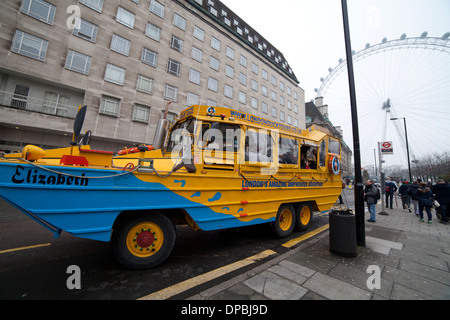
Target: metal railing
17	101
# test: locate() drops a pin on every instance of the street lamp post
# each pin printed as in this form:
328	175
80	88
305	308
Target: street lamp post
407	146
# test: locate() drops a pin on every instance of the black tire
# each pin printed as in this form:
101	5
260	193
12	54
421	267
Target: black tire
285	221
304	216
144	241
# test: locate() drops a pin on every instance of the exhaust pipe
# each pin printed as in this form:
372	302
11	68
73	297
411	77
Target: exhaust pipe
161	129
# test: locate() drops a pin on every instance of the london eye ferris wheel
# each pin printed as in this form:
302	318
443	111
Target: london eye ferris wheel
404	78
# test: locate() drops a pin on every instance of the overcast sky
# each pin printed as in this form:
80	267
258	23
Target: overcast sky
309	33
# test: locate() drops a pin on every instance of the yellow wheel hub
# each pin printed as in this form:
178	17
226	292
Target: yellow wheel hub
145	239
285	221
305	215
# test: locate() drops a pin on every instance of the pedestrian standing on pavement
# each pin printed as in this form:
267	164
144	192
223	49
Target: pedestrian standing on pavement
414	198
370	196
391	187
425	201
403	191
441	190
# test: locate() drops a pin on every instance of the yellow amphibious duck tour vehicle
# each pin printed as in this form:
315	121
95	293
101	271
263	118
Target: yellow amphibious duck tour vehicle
215	168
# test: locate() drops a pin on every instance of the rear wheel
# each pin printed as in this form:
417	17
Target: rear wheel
304	217
285	221
144	241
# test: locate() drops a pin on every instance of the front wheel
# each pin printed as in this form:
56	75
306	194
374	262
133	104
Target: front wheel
144	241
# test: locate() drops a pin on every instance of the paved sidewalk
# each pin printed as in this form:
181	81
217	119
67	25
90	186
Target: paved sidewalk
404	259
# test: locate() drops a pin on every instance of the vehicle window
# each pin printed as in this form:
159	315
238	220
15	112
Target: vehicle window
181	130
308	157
258	146
288	151
323	153
334	146
221	136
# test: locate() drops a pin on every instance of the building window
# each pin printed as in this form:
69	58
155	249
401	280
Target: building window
30	46
141	113
120	45
87	31
213	84
289	91
265	74
192	99
176	44
242	79
281	115
274	81
110	106
295	95
115	74
254	68
55	104
289	121
295	108
174	67
230	53
243	61
254	103
20	97
149	57
171	93
214	63
282	101
264	91
215	43
39	9
274	96
125	17
229	71
197	54
93	4
194	76
289	105
296	122
254	85
228	91
78	62
179	22
157	8
274	112
144	84
281	85
199	33
264	107
153	32
242	97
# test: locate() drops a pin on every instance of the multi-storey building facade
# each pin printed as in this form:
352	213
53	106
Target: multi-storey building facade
125	59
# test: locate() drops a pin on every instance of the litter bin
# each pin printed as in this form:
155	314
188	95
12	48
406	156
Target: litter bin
342	233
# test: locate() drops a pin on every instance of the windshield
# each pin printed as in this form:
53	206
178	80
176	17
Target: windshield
180	130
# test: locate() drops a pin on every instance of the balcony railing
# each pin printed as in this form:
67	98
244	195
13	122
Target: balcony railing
56	108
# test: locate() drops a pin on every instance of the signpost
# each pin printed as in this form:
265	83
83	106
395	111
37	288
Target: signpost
386	147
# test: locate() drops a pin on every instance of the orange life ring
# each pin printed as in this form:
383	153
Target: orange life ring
334	165
140	148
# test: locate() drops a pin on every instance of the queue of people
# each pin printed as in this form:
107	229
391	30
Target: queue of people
420	195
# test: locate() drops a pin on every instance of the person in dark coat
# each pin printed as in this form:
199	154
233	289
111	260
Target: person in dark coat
370	196
403	191
441	191
391	187
425	201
